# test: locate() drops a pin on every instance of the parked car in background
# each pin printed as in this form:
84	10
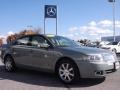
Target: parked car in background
59	55
93	45
104	43
113	46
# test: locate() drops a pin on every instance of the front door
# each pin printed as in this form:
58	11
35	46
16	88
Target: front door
41	57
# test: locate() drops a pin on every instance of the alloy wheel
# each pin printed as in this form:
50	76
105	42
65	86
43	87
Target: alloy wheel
66	72
9	65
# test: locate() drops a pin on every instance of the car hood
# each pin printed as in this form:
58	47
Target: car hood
86	50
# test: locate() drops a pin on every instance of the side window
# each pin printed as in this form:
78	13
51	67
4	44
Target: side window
23	41
38	40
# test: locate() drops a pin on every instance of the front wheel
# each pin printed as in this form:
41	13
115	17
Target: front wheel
67	71
9	64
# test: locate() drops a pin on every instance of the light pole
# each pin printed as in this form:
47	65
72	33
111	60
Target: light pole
113	3
114	20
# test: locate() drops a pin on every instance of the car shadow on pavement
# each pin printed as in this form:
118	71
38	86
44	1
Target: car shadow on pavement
43	79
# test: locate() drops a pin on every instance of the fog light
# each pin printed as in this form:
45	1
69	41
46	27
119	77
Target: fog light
99	73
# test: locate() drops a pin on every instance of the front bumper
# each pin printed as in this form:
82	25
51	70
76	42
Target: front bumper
97	70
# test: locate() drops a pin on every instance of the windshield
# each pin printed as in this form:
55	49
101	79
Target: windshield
62	41
112	43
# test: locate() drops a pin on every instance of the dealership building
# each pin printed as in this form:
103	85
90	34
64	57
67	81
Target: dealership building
110	38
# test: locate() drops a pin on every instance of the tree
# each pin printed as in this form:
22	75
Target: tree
23	33
1	42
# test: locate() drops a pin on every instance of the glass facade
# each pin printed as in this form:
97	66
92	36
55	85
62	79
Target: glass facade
110	38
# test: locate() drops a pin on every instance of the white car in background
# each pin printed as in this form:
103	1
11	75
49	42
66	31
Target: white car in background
102	43
114	46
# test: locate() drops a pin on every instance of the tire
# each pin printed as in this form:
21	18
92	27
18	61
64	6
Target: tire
114	50
9	64
67	71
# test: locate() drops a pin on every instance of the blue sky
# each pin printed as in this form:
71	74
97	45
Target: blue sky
77	19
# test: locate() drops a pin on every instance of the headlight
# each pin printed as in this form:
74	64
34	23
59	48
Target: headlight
93	58
109	57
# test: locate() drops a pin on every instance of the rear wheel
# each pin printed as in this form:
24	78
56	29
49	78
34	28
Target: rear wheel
114	50
67	71
9	64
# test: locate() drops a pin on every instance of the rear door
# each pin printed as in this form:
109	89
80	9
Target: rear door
21	51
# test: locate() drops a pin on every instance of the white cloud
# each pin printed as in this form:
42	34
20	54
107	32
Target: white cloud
92	23
70	35
105	23
72	29
93	30
10	33
117	24
108	23
2	36
5	36
75	37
